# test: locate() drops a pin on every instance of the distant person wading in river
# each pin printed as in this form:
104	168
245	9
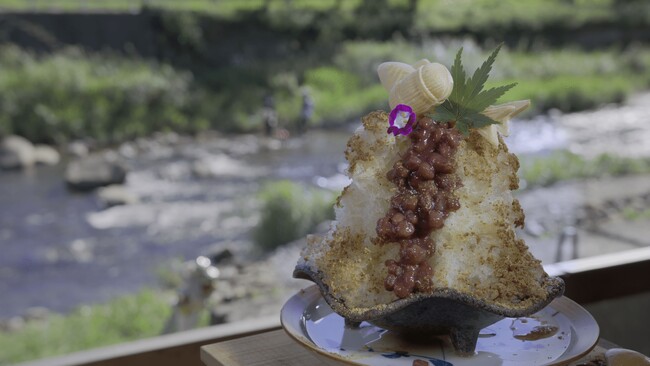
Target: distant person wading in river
269	116
306	112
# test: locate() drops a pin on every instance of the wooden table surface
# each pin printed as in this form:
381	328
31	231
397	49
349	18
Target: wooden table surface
270	348
276	348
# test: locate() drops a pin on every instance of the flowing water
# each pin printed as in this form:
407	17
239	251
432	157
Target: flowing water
59	249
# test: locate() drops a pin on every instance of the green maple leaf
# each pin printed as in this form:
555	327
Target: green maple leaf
468	99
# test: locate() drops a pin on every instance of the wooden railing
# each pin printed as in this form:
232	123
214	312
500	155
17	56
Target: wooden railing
587	280
605	277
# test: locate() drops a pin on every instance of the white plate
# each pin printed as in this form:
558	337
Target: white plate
308	319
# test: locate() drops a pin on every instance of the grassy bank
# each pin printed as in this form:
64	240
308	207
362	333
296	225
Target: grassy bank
564	165
72	94
123	319
289	212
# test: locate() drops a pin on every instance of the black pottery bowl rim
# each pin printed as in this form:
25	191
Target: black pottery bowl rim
554	288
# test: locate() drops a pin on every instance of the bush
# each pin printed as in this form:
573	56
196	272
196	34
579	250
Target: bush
564	165
71	95
572	93
289	212
490	17
338	96
122	319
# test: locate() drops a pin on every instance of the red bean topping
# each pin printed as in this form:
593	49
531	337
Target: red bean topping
453	138
445	181
445	150
436	135
411	217
414	181
413	254
426	171
420	146
400	170
405	283
405	202
440	204
391	175
405	229
425	202
426	124
429	190
427	244
440	163
436	220
397	218
423	277
392	266
412	162
389	282
384	228
420	134
453	204
426	182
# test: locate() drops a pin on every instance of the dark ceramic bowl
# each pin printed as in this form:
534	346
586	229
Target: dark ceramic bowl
443	312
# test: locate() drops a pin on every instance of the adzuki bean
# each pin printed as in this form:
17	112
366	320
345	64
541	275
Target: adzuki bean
426	184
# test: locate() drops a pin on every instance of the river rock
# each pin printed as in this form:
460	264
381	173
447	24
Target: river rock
222	256
93	172
78	149
116	194
36	313
46	155
222	165
16	153
14	324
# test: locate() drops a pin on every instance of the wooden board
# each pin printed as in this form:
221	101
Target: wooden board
271	348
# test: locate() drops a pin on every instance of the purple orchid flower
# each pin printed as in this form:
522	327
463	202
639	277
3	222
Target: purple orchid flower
401	120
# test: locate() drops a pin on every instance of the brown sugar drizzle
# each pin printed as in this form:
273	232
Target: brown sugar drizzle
426	181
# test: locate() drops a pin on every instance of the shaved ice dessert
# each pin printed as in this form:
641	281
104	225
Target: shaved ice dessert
430	211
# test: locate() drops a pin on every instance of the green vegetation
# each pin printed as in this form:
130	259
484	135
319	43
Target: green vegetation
331	48
564	165
501	14
634	214
572	80
475	15
72	94
290	211
339	96
120	320
573	93
566	79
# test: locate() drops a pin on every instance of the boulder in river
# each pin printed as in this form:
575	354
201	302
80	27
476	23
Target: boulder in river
46	155
16	153
116	194
92	172
78	149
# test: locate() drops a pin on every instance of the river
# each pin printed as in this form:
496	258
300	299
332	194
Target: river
61	249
